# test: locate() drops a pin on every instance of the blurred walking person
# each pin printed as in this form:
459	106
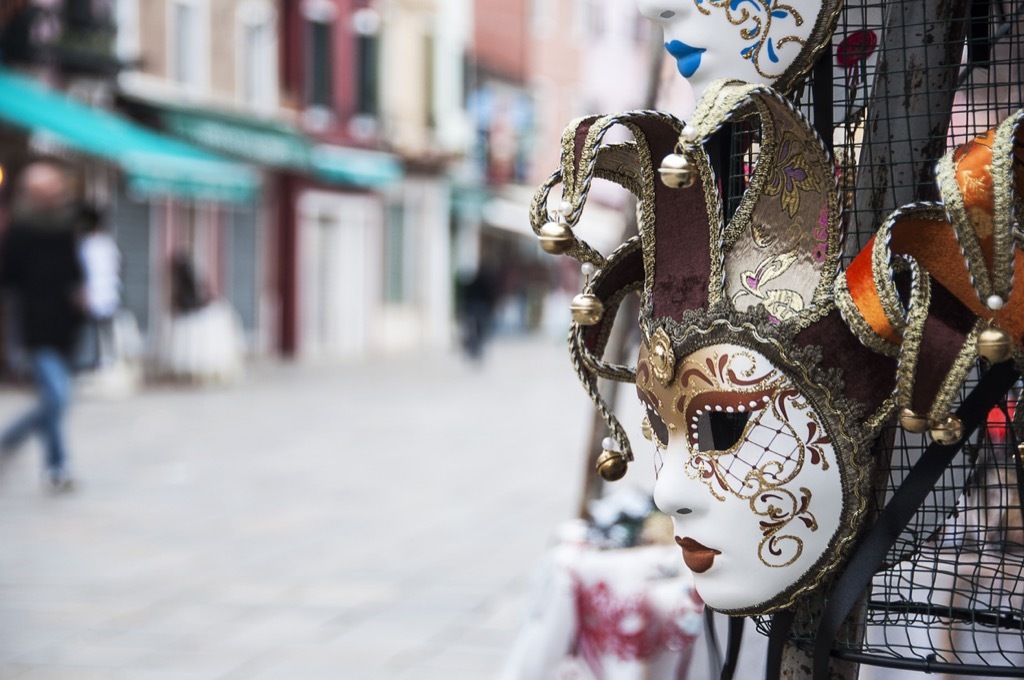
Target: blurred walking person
477	301
206	343
101	263
40	267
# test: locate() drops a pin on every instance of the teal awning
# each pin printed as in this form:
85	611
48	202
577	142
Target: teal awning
267	142
355	166
153	164
259	141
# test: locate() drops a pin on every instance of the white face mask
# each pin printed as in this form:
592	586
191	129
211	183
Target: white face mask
755	41
753	518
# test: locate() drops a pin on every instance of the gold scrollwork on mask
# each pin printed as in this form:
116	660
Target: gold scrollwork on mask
770	453
755	19
780	507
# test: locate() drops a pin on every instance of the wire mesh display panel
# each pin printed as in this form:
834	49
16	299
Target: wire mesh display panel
953	592
910	80
904	83
951	596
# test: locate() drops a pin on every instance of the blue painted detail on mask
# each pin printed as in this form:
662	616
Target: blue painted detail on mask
771	52
687	57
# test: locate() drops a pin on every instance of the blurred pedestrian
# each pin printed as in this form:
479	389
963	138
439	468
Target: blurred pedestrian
101	262
478	298
188	294
206	342
39	265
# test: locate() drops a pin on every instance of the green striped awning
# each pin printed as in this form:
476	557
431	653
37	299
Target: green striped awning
153	163
267	142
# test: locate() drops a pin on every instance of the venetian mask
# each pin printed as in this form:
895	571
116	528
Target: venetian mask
756	41
763	401
768	372
739	446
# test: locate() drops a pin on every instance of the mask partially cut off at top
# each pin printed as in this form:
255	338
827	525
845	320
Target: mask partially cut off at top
757	41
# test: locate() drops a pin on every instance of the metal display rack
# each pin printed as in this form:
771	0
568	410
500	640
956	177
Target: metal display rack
905	82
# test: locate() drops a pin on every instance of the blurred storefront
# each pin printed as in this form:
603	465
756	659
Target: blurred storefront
370	261
300	179
144	180
291	90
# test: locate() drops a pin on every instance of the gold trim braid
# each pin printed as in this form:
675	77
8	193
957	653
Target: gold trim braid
1005	204
963	227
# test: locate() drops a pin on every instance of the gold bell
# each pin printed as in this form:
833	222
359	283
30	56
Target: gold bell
556	238
913	422
611	465
677	172
646	430
995	345
948	431
586	309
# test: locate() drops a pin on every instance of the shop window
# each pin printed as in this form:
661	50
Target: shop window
257	58
396	275
542	16
320	86
366	26
189	43
319	16
429	84
126	40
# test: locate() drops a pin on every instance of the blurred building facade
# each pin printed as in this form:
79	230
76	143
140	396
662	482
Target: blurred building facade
349	115
366	153
493	228
208	90
372	268
538	65
351	110
295	89
60	61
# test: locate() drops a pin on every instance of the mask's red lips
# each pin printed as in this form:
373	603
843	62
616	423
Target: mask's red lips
698	557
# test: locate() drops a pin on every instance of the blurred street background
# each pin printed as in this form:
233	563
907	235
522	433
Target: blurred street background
331	428
374	520
336	171
324	423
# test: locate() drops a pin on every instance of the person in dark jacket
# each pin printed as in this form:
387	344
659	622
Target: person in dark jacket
39	266
478	297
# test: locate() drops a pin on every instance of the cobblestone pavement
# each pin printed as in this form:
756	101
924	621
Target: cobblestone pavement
368	521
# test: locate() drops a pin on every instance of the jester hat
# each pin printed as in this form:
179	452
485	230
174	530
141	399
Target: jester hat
969	243
761	396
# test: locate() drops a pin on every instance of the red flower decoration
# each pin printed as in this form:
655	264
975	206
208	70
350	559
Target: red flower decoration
854	51
857	47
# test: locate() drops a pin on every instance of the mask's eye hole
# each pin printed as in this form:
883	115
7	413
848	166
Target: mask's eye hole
658	427
719	431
